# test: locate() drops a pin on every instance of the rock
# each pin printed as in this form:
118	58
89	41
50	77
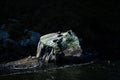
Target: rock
9	43
3	33
32	38
25	63
20	66
56	44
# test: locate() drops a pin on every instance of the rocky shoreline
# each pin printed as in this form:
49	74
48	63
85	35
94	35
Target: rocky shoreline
34	64
53	49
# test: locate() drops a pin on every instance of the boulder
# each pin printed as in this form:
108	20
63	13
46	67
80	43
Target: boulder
59	45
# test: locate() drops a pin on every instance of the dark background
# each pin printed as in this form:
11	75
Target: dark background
96	23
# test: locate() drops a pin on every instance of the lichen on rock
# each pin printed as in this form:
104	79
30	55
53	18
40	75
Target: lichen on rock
66	43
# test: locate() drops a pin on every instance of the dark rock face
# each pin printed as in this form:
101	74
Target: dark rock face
11	49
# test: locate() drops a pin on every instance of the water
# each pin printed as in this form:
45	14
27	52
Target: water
97	71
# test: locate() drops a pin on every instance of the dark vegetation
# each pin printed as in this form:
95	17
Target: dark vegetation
96	23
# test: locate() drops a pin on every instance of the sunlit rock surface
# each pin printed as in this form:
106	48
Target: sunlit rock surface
65	44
